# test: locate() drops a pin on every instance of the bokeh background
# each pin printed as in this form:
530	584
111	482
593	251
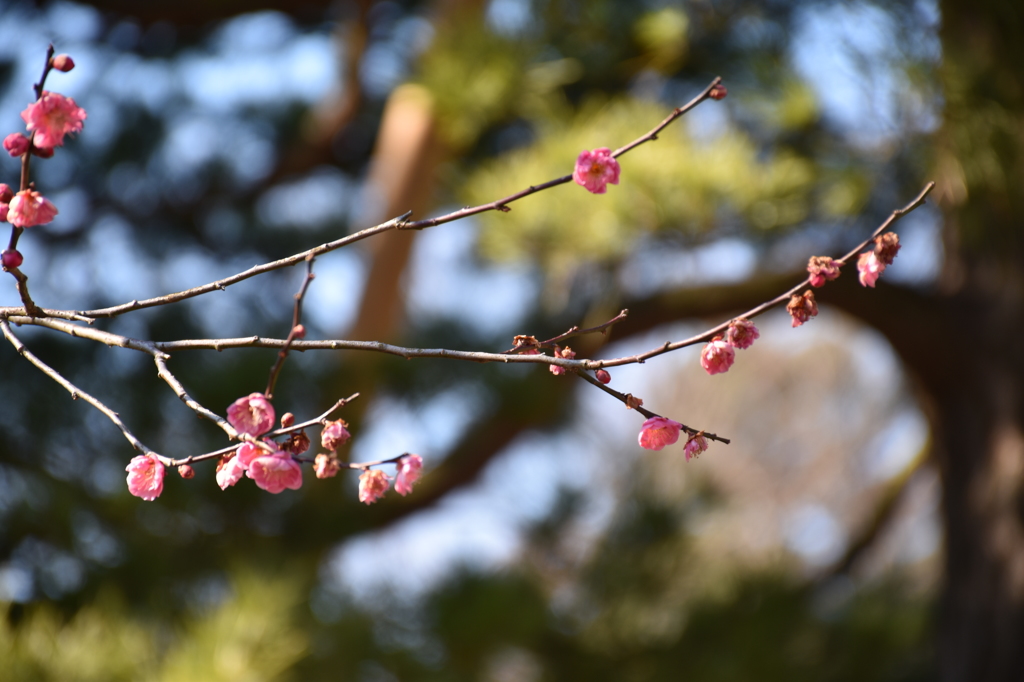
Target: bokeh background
866	521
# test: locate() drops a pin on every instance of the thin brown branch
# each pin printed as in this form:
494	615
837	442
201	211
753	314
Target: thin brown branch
574	331
295	331
503	204
75	392
222	284
624	399
164	373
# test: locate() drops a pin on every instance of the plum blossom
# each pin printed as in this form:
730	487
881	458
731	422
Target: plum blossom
886	247
326	466
51	117
230	471
717	356
742	333
869	268
16	144
29	208
373	483
802	308
594	170
695	445
822	269
566	353
409	468
334	435
275	472
252	414
145	477
657	432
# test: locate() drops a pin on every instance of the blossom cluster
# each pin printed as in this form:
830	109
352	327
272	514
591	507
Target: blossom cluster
48	120
274	466
657	432
720	352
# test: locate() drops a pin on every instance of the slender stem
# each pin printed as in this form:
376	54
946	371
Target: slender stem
296	320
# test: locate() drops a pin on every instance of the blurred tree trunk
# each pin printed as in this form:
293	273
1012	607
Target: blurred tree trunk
977	397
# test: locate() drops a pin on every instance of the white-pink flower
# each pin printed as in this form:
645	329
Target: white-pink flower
695	445
51	117
145	477
869	268
409	468
229	472
717	356
373	483
334	435
29	208
742	333
657	432
595	170
822	269
252	414
275	472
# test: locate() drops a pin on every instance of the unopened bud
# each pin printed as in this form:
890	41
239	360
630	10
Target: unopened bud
718	92
63	62
6	194
12	258
185	471
603	376
42	152
16	145
287	419
299	331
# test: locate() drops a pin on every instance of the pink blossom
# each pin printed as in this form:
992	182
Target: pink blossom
594	170
408	473
802	308
334	435
12	258
326	466
52	117
657	432
145	477
822	268
870	268
566	353
63	62
16	144
229	472
252	414
886	247
742	333
247	452
373	483
275	472
29	208
695	445
717	356
603	376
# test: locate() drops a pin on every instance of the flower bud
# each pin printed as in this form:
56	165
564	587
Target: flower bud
185	471
603	376
43	152
6	194
299	331
63	62
12	258
718	92
16	144
287	419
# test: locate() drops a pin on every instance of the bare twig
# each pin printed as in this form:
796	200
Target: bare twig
76	392
282	355
503	204
574	331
